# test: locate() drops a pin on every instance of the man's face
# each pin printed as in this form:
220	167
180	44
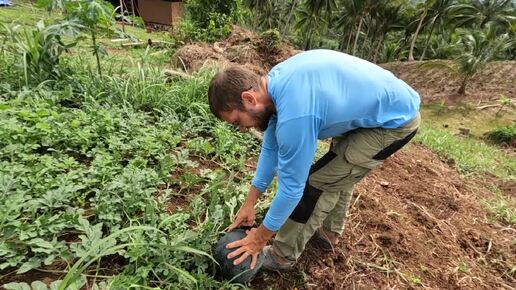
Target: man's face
244	120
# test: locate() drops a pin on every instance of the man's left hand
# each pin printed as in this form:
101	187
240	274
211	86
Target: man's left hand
251	245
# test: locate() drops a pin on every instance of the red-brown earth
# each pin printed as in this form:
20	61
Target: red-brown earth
413	223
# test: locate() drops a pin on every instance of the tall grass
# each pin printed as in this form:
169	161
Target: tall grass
469	155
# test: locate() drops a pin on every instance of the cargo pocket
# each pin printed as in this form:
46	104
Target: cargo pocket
362	145
393	147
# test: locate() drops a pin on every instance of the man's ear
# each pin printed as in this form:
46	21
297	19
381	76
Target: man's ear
248	98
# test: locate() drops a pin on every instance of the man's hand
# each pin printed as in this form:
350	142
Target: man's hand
251	245
245	217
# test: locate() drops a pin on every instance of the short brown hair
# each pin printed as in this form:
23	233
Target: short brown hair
226	87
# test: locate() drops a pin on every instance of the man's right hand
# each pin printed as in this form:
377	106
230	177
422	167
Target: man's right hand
245	217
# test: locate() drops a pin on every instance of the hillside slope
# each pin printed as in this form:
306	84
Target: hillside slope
436	85
413	222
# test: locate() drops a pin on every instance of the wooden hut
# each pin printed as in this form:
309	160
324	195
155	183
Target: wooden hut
163	12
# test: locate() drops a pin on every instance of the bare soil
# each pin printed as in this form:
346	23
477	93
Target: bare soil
438	85
413	223
241	47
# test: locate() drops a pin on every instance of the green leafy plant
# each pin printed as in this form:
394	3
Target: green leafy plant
271	40
95	16
504	102
40	49
503	135
209	20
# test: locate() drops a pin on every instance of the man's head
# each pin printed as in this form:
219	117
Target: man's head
239	97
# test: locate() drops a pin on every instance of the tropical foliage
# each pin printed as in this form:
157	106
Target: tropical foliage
369	29
99	161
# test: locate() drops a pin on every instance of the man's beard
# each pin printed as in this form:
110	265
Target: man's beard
262	119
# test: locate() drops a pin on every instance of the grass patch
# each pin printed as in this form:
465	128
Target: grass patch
469	155
466	116
24	13
503	208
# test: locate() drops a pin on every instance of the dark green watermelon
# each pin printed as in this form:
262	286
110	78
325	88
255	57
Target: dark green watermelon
241	273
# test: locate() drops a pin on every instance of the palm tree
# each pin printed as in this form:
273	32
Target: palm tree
482	12
478	48
388	18
357	12
363	8
349	18
258	7
438	13
423	16
310	17
307	24
317	7
291	9
270	16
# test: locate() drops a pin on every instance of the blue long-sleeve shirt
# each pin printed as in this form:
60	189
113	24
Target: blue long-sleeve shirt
320	94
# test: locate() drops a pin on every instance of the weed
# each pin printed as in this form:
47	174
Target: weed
415	280
503	208
462	267
503	135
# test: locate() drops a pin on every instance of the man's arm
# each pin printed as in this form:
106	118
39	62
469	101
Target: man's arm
297	141
268	159
265	172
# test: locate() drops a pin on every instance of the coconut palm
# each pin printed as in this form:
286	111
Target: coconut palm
291	7
257	5
422	17
482	12
357	12
438	13
387	19
307	24
270	16
318	7
478	48
349	18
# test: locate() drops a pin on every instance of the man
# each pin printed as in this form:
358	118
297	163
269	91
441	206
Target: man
313	95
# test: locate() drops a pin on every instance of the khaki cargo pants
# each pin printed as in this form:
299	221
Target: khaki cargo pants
328	192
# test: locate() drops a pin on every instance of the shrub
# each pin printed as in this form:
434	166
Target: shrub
271	40
503	135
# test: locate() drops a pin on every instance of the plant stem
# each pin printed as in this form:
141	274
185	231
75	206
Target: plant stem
96	50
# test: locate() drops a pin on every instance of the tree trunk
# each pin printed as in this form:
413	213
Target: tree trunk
413	43
308	42
428	38
365	41
378	48
462	89
349	39
372	48
122	14
287	24
356	37
343	42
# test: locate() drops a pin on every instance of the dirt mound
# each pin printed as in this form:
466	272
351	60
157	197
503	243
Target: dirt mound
437	84
242	47
414	222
